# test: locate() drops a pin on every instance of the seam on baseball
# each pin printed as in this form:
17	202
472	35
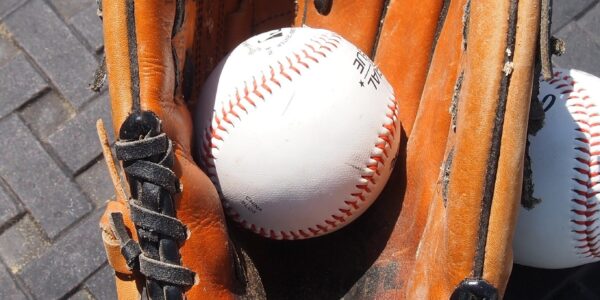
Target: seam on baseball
587	145
313	50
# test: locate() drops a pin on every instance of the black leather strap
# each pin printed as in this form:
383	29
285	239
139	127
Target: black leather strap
148	159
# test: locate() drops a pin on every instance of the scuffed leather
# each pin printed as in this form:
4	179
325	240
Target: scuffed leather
206	251
448	241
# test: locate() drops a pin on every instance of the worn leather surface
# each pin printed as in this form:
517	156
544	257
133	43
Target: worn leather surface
206	251
488	135
463	93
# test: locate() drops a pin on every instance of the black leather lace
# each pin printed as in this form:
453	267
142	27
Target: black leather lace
147	156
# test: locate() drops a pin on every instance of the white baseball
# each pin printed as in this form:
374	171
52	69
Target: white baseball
299	131
562	231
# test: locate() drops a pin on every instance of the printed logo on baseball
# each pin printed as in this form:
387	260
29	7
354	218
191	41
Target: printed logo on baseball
299	131
563	230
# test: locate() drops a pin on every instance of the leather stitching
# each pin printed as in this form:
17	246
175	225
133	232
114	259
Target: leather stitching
318	48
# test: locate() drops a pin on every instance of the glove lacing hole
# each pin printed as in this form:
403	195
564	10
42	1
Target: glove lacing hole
323	6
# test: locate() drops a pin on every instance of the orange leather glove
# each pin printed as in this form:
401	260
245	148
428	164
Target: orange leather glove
462	72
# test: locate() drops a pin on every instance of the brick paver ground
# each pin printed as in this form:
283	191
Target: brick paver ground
53	183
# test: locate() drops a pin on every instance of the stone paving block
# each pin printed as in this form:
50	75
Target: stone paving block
76	143
82	295
55	49
8	288
19	82
582	50
590	22
102	284
96	183
8	209
52	198
68	262
563	11
22	243
7	6
46	114
89	25
69	8
7	49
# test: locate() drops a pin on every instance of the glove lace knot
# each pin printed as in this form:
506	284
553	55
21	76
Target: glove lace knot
147	156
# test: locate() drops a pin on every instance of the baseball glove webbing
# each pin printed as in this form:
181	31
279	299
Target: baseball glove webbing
147	156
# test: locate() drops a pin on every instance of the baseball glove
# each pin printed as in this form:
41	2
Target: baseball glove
462	72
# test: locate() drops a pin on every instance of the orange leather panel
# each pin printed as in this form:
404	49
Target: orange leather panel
206	250
498	258
356	21
118	65
426	148
404	51
154	24
475	124
447	251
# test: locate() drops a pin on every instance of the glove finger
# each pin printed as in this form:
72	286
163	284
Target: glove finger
344	18
471	215
175	208
404	51
144	67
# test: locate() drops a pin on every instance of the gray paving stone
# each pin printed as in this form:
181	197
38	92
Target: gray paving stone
102	284
8	209
7	49
22	243
19	82
7	6
69	8
52	198
563	11
70	260
90	26
46	114
582	50
96	183
82	295
55	49
590	22
76	143
8	288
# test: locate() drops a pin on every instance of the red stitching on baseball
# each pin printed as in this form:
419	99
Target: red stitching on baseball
283	73
321	227
346	211
339	218
331	223
291	66
585	208
255	90
320	46
354	204
273	79
302	233
265	86
311	47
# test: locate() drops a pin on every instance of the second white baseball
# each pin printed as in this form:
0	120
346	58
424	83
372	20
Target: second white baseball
563	230
299	131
